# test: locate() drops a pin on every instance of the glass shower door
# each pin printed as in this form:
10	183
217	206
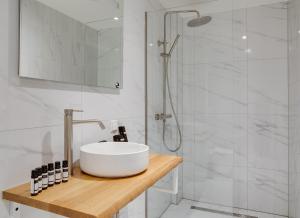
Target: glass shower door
158	202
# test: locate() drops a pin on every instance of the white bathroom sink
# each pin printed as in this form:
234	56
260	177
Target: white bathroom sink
114	159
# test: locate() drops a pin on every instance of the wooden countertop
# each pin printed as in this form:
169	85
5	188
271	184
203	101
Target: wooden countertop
87	196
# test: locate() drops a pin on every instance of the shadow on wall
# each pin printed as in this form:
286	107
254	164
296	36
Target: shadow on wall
47	153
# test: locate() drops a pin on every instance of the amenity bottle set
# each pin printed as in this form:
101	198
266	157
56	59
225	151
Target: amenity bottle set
48	175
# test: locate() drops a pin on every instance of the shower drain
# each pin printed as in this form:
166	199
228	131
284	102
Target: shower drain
222	212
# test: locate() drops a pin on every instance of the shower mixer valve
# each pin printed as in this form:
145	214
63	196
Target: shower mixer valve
163	116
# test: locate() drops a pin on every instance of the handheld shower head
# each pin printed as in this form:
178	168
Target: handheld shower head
174	44
164	54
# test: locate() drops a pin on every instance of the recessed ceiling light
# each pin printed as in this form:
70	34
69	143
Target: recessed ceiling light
299	31
244	37
151	44
116	18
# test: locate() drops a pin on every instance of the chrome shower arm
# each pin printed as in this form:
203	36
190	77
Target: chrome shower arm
182	11
165	23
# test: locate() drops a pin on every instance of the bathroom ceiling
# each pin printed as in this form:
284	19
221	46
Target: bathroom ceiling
95	13
213	6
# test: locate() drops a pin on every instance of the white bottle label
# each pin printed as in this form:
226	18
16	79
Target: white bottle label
45	182
57	176
65	175
40	184
36	187
51	179
32	190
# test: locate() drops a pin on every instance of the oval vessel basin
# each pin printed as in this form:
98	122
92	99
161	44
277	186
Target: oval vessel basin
114	159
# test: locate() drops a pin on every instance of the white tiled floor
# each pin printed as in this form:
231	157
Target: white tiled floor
183	210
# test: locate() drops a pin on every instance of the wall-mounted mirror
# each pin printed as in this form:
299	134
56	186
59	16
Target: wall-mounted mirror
72	41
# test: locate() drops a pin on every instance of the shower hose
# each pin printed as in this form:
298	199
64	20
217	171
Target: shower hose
178	146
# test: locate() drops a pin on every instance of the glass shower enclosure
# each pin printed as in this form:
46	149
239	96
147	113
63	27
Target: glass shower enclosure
228	83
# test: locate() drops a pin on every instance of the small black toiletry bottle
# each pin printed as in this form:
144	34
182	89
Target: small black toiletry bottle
122	131
40	182
45	177
57	172
34	189
51	177
65	171
117	138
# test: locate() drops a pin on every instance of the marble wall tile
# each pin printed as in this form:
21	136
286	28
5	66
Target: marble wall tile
43	103
265	41
235	105
188	88
294	109
240	37
215	88
268	142
229	83
188	137
221	88
212	180
271	98
220	140
268	191
154	134
189	50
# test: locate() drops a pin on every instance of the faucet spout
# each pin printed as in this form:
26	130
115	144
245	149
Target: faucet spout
99	122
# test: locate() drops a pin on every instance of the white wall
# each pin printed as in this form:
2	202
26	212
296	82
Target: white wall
31	112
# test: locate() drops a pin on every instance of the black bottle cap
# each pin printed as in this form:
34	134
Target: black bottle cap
38	171
34	174
44	168
65	163
57	164
122	129
50	166
117	138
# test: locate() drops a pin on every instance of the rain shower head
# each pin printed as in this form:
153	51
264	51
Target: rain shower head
199	21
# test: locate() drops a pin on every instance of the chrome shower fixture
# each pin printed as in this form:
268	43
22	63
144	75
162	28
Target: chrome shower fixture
172	47
195	22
